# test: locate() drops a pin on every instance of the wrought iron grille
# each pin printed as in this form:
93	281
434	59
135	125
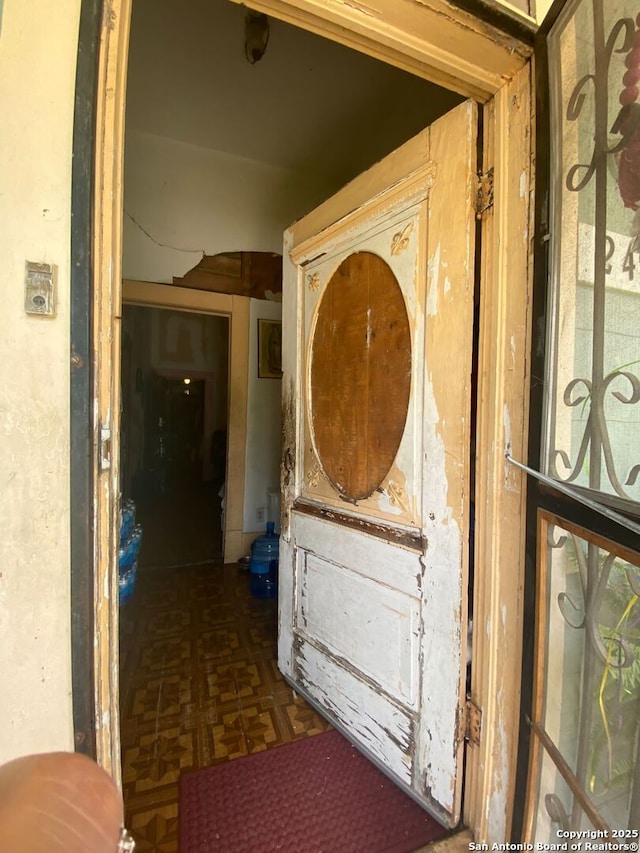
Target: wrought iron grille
586	720
593	432
587	717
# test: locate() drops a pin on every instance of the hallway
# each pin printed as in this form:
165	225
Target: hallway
199	686
182	527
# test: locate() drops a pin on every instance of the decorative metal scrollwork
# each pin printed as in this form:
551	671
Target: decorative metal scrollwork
625	27
557	811
595	591
602	602
563	600
595	453
551	541
587	614
596	427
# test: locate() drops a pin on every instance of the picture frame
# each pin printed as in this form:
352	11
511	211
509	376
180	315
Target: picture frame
269	349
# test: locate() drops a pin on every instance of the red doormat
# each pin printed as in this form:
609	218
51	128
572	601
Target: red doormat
315	795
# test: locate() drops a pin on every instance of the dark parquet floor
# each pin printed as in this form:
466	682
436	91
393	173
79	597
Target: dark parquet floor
199	685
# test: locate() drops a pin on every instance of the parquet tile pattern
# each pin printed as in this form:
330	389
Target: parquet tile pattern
199	685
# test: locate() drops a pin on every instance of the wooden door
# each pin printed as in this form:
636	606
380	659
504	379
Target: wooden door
377	326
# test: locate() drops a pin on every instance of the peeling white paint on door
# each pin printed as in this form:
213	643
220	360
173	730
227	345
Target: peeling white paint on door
442	647
373	591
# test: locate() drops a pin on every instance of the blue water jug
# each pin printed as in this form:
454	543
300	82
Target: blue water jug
128	564
127	519
263	581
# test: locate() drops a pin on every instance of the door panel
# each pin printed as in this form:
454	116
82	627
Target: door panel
361	711
381	642
378	322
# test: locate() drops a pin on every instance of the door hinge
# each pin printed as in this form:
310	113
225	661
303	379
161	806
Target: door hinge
470	722
484	196
104	453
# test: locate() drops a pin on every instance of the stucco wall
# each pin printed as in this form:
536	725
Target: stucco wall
38	45
542	7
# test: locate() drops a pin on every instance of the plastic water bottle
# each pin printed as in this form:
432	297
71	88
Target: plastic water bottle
128	564
127	519
263	581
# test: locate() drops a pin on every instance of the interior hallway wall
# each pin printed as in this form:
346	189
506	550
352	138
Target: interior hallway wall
264	429
198	200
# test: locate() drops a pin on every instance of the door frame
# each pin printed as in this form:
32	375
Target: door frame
484	62
236	309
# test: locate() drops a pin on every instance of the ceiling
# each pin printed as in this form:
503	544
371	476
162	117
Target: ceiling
309	105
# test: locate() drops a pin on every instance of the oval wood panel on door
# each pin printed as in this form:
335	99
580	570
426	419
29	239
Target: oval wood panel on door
360	374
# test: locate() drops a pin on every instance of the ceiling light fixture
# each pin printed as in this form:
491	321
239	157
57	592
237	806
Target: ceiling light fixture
256	35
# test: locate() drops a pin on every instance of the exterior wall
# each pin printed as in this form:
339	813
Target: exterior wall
542	7
38	45
526	6
534	8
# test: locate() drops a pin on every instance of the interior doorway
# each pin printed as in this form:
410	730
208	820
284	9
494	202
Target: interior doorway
173	433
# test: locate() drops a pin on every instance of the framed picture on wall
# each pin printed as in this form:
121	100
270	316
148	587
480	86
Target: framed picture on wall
269	349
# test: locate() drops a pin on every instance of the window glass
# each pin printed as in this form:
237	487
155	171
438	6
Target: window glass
592	426
587	711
